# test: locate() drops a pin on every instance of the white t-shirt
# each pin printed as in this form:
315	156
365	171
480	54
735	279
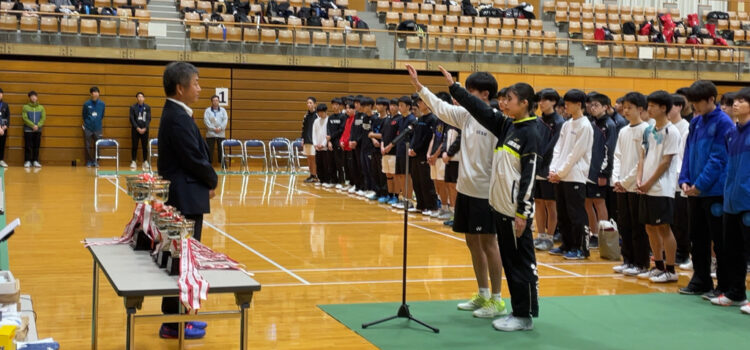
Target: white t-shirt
572	155
684	127
660	143
320	127
627	155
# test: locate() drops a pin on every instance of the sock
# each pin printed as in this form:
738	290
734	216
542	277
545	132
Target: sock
484	293
659	264
542	235
497	296
670	268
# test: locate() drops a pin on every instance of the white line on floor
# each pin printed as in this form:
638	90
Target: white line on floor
309	223
438	232
428	280
293	189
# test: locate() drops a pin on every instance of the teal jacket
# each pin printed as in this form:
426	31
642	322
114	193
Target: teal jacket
93	113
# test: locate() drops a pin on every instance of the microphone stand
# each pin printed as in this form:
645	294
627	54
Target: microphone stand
403	310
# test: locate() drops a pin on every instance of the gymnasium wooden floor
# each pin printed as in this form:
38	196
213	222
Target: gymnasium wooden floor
307	246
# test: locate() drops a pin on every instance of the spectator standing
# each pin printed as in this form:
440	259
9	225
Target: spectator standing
34	116
93	115
215	118
140	119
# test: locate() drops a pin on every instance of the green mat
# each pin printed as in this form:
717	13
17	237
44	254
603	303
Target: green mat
643	321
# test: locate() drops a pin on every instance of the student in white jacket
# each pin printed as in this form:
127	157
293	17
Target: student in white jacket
215	118
569	170
679	226
635	244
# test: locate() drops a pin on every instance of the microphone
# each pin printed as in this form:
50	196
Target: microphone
407	132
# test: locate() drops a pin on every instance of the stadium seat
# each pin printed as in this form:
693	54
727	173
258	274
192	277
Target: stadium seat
336	39
197	32
444	44
535	48
631	51
686	54
673	53
549	49
574	28
383	7
102	3
69	25
29	24
602	51
192	18
215	33
205	6
127	28
286	36
494	22
423	18
49	25
251	35
392	18
269	36
89	26
725	55
440	9
368	40
413	42
398	7
427	8
108	27
302	37
504	46
460	45
412	7
562	49
143	15
489	46
47	8
320	39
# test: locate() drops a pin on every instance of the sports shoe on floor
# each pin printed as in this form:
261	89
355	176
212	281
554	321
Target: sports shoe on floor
3	164
310	179
722	300
557	237
448	223
633	271
392	201
650	273
711	294
426	212
511	323
190	332
476	302
593	242
413	209
339	186
145	166
680	261
399	205
371	196
436	213
691	291
575	255
745	309
687	266
328	185
447	215
557	251
352	190
38	165
317	184
621	268
491	308
27	164
664	277
359	193
544	242
133	165
383	200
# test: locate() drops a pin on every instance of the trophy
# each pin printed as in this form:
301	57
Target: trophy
170	230
146	188
175	246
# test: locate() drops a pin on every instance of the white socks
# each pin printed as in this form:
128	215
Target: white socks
484	293
496	297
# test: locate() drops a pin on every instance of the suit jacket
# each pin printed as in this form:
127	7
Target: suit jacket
183	160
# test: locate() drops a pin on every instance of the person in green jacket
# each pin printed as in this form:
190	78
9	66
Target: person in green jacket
33	115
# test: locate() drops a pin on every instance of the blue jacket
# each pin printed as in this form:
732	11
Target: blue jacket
93	113
705	158
737	188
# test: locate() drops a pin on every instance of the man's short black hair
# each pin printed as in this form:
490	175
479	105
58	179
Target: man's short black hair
727	99
743	94
682	91
367	101
560	103
213	97
405	99
445	96
575	96
358	99
177	73
619	100
382	101
602	99
93	89
482	81
139	94
636	99
503	92
311	98
660	98
394	101
32	93
702	90
494	104
678	100
350	105
321	108
549	95
337	100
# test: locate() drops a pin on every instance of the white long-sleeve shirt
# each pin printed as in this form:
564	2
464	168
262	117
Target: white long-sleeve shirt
627	153
215	119
572	156
319	132
477	145
684	127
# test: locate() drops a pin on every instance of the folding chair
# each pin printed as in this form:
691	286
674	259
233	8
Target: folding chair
107	143
153	143
256	144
229	143
298	155
281	148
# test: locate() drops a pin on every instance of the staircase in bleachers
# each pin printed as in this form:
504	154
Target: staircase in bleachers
175	31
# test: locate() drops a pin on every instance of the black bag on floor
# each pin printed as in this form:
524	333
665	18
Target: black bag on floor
628	28
491	12
468	9
314	21
717	15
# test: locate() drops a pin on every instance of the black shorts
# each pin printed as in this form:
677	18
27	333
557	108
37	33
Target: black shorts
473	215
451	172
400	165
595	191
544	190
656	210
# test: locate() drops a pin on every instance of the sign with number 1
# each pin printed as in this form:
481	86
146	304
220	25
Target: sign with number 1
223	94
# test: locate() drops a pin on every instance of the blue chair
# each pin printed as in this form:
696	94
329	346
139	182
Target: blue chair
153	152
226	155
107	143
281	148
259	145
298	155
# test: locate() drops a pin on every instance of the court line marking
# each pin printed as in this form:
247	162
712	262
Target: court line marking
293	189
426	280
463	240
304	282
381	268
309	223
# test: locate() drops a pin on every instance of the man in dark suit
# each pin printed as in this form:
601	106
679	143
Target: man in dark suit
183	160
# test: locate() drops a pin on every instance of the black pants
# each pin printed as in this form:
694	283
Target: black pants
635	244
171	305
136	138
212	142
3	138
365	158
424	188
338	164
736	233
519	263
611	202
705	224
680	226
352	168
32	141
324	163
571	216
376	166
89	142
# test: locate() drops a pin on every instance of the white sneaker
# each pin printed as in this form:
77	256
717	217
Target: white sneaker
3	164
687	266
146	166
476	302
27	164
317	184
426	212
413	209
511	323
664	277
446	216
133	165
437	213
37	165
650	273
328	185
371	195
339	186
352	189
399	205
633	271
721	300
360	193
745	309
491	308
621	268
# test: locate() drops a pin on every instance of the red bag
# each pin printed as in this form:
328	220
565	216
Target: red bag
711	27
645	30
692	20
692	40
668	35
599	34
720	42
